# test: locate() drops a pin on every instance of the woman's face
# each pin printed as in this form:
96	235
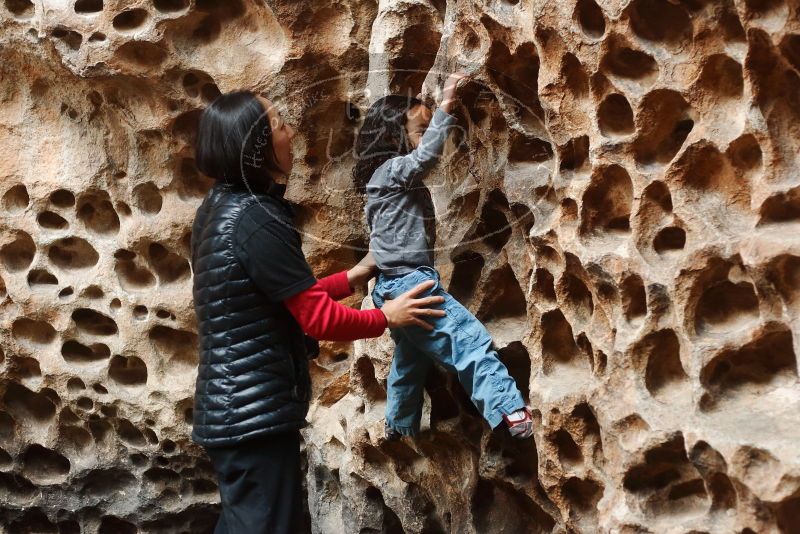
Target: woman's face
282	135
417	120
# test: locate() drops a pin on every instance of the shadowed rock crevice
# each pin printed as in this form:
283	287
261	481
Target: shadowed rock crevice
634	299
659	21
499	504
558	344
727	300
606	206
633	67
88	6
665	121
615	116
516	74
590	17
467	269
668	482
766	362
664	374
416	54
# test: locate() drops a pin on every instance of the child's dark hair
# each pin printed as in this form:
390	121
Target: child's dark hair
234	141
382	136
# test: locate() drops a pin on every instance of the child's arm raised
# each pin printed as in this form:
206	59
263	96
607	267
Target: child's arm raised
404	169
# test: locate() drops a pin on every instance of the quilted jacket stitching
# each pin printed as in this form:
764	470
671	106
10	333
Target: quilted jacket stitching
245	404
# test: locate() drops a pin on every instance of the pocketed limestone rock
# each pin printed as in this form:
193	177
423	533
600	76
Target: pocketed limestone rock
618	204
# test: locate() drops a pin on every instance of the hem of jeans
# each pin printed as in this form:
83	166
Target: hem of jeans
507	408
405	430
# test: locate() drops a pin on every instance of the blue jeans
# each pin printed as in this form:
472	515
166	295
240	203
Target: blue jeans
458	341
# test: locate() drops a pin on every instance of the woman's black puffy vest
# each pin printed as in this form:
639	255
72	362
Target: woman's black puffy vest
252	378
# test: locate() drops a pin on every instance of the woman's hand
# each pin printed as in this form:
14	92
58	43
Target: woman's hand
406	310
450	86
362	271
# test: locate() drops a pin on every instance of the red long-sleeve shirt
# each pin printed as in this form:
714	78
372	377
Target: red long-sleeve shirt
322	318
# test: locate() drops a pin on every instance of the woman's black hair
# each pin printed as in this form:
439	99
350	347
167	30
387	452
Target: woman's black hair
234	141
383	135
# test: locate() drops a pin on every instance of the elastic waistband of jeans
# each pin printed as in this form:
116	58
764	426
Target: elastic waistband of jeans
427	268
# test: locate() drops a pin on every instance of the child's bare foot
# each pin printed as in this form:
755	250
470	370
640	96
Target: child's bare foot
520	423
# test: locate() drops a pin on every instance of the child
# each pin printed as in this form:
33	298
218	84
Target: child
400	214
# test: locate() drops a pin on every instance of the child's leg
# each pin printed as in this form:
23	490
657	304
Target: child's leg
406	380
462	344
405	386
493	391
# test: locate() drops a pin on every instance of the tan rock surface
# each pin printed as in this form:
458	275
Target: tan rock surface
620	206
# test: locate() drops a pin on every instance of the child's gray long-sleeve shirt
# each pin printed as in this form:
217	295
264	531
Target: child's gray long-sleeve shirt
399	207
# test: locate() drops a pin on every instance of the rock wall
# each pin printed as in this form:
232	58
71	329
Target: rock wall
620	205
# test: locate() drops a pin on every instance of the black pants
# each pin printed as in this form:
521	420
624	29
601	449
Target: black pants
260	485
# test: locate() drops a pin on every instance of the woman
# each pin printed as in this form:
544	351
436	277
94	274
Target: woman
255	298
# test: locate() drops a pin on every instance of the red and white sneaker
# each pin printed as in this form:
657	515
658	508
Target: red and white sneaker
520	423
